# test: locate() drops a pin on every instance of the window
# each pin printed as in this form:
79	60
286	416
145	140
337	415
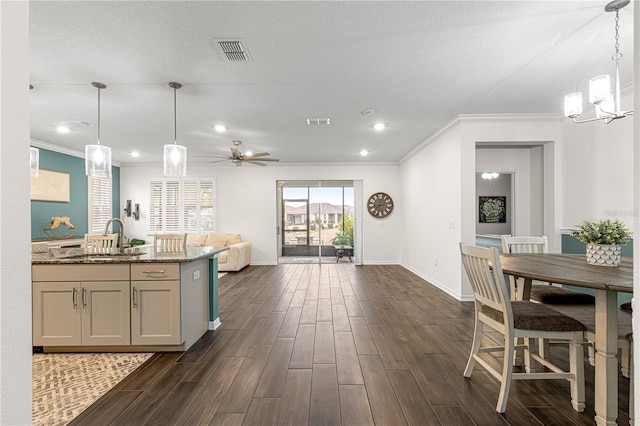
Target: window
100	197
181	205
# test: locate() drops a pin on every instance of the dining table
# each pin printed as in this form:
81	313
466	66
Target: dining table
607	281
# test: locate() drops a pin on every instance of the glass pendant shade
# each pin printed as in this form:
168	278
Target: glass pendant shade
97	160
175	160
599	89
573	104
34	161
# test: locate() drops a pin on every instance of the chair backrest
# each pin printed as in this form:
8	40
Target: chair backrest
99	243
170	243
482	265
524	244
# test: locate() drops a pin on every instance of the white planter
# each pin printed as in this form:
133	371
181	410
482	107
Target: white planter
603	254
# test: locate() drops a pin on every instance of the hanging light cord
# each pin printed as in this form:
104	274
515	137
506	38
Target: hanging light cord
99	116
175	115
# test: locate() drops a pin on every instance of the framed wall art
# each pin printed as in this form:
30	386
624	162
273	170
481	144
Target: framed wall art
493	209
50	186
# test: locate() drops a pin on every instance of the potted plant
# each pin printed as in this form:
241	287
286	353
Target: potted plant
341	239
603	240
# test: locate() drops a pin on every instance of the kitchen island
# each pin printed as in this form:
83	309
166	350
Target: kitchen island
135	301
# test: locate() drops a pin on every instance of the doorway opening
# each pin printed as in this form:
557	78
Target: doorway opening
311	215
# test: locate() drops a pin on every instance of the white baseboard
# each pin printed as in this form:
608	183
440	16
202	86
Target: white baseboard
449	291
213	325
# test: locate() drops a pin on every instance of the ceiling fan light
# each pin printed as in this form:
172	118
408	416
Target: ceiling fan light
599	89
34	161
175	160
97	160
573	104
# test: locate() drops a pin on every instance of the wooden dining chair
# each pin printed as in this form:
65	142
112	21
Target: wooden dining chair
170	243
100	243
517	319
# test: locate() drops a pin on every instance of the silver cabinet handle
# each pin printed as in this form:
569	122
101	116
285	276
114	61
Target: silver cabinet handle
75	298
160	272
84	298
134	297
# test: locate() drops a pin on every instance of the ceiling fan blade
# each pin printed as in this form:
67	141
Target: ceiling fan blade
260	159
257	163
225	157
219	161
259	154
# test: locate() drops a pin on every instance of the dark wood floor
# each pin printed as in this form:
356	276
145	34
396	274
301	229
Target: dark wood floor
328	345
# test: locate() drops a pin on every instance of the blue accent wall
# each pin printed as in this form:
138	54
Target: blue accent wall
76	208
572	245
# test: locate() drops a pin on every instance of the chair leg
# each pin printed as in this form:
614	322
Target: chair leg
624	362
576	363
507	371
631	385
591	350
475	347
529	364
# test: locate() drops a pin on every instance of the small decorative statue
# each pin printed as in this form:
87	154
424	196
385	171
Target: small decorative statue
56	221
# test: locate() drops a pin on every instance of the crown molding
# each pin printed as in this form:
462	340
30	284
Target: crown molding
61	150
475	117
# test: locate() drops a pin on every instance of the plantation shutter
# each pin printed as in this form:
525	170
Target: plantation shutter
156	214
100	202
181	205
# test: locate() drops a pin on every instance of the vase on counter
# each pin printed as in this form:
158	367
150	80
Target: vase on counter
603	254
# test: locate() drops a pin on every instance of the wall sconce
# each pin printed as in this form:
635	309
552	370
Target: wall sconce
127	210
136	212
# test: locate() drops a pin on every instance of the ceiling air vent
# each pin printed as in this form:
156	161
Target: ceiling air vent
232	50
319	121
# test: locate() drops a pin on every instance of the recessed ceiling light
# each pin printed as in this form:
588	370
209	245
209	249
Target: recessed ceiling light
219	128
63	129
134	154
368	111
379	126
364	152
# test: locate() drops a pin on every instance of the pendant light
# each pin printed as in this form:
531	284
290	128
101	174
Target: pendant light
34	161
97	158
175	156
34	155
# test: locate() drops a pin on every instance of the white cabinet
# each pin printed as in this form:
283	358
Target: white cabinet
104	306
155	304
72	308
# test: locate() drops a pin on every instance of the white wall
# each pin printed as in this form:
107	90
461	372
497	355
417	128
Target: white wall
247	203
431	182
15	208
597	170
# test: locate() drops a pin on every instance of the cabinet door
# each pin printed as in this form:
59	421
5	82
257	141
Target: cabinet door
155	313
57	314
106	316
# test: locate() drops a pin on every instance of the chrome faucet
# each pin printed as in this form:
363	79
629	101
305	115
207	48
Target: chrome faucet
124	241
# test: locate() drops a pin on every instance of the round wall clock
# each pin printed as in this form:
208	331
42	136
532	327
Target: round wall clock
380	205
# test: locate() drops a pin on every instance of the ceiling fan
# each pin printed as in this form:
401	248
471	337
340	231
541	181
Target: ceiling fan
237	157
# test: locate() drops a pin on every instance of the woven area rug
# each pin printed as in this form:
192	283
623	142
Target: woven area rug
64	385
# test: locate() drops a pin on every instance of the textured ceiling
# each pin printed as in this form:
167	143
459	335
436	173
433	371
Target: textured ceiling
418	64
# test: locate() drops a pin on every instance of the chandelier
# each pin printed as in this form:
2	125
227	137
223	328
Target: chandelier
607	104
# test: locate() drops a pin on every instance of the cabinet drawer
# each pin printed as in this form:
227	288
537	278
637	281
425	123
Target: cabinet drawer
155	271
87	272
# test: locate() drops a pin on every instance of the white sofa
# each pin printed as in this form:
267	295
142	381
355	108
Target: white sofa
237	257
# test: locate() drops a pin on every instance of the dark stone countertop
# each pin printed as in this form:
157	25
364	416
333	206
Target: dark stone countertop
70	256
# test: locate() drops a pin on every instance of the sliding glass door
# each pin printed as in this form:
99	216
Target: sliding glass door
313	214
